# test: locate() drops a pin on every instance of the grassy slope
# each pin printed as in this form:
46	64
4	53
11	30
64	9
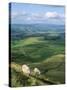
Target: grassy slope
48	56
35	49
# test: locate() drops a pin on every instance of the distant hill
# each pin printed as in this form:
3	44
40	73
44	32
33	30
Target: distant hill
24	30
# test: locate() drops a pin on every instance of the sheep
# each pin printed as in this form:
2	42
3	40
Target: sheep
25	69
36	71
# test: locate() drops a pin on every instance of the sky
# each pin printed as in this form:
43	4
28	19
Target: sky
24	13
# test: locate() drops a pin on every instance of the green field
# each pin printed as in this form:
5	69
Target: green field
47	55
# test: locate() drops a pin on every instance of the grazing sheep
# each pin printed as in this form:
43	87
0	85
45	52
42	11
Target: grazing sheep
25	69
36	71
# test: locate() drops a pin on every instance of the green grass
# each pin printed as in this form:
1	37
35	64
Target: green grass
47	55
33	49
26	41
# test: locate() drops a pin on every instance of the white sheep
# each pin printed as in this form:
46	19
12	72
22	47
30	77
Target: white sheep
36	71
25	69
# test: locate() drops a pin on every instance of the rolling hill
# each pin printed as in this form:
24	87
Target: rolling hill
45	54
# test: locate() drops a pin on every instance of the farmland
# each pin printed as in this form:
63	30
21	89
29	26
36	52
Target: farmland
43	50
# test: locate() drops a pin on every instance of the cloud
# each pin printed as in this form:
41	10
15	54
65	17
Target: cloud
37	17
54	15
13	14
45	16
18	15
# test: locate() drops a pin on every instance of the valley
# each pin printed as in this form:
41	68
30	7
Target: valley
38	47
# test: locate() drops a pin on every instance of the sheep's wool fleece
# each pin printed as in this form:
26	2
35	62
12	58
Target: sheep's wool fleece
25	69
36	70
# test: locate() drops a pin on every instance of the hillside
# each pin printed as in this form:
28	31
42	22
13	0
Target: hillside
19	31
52	70
45	54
